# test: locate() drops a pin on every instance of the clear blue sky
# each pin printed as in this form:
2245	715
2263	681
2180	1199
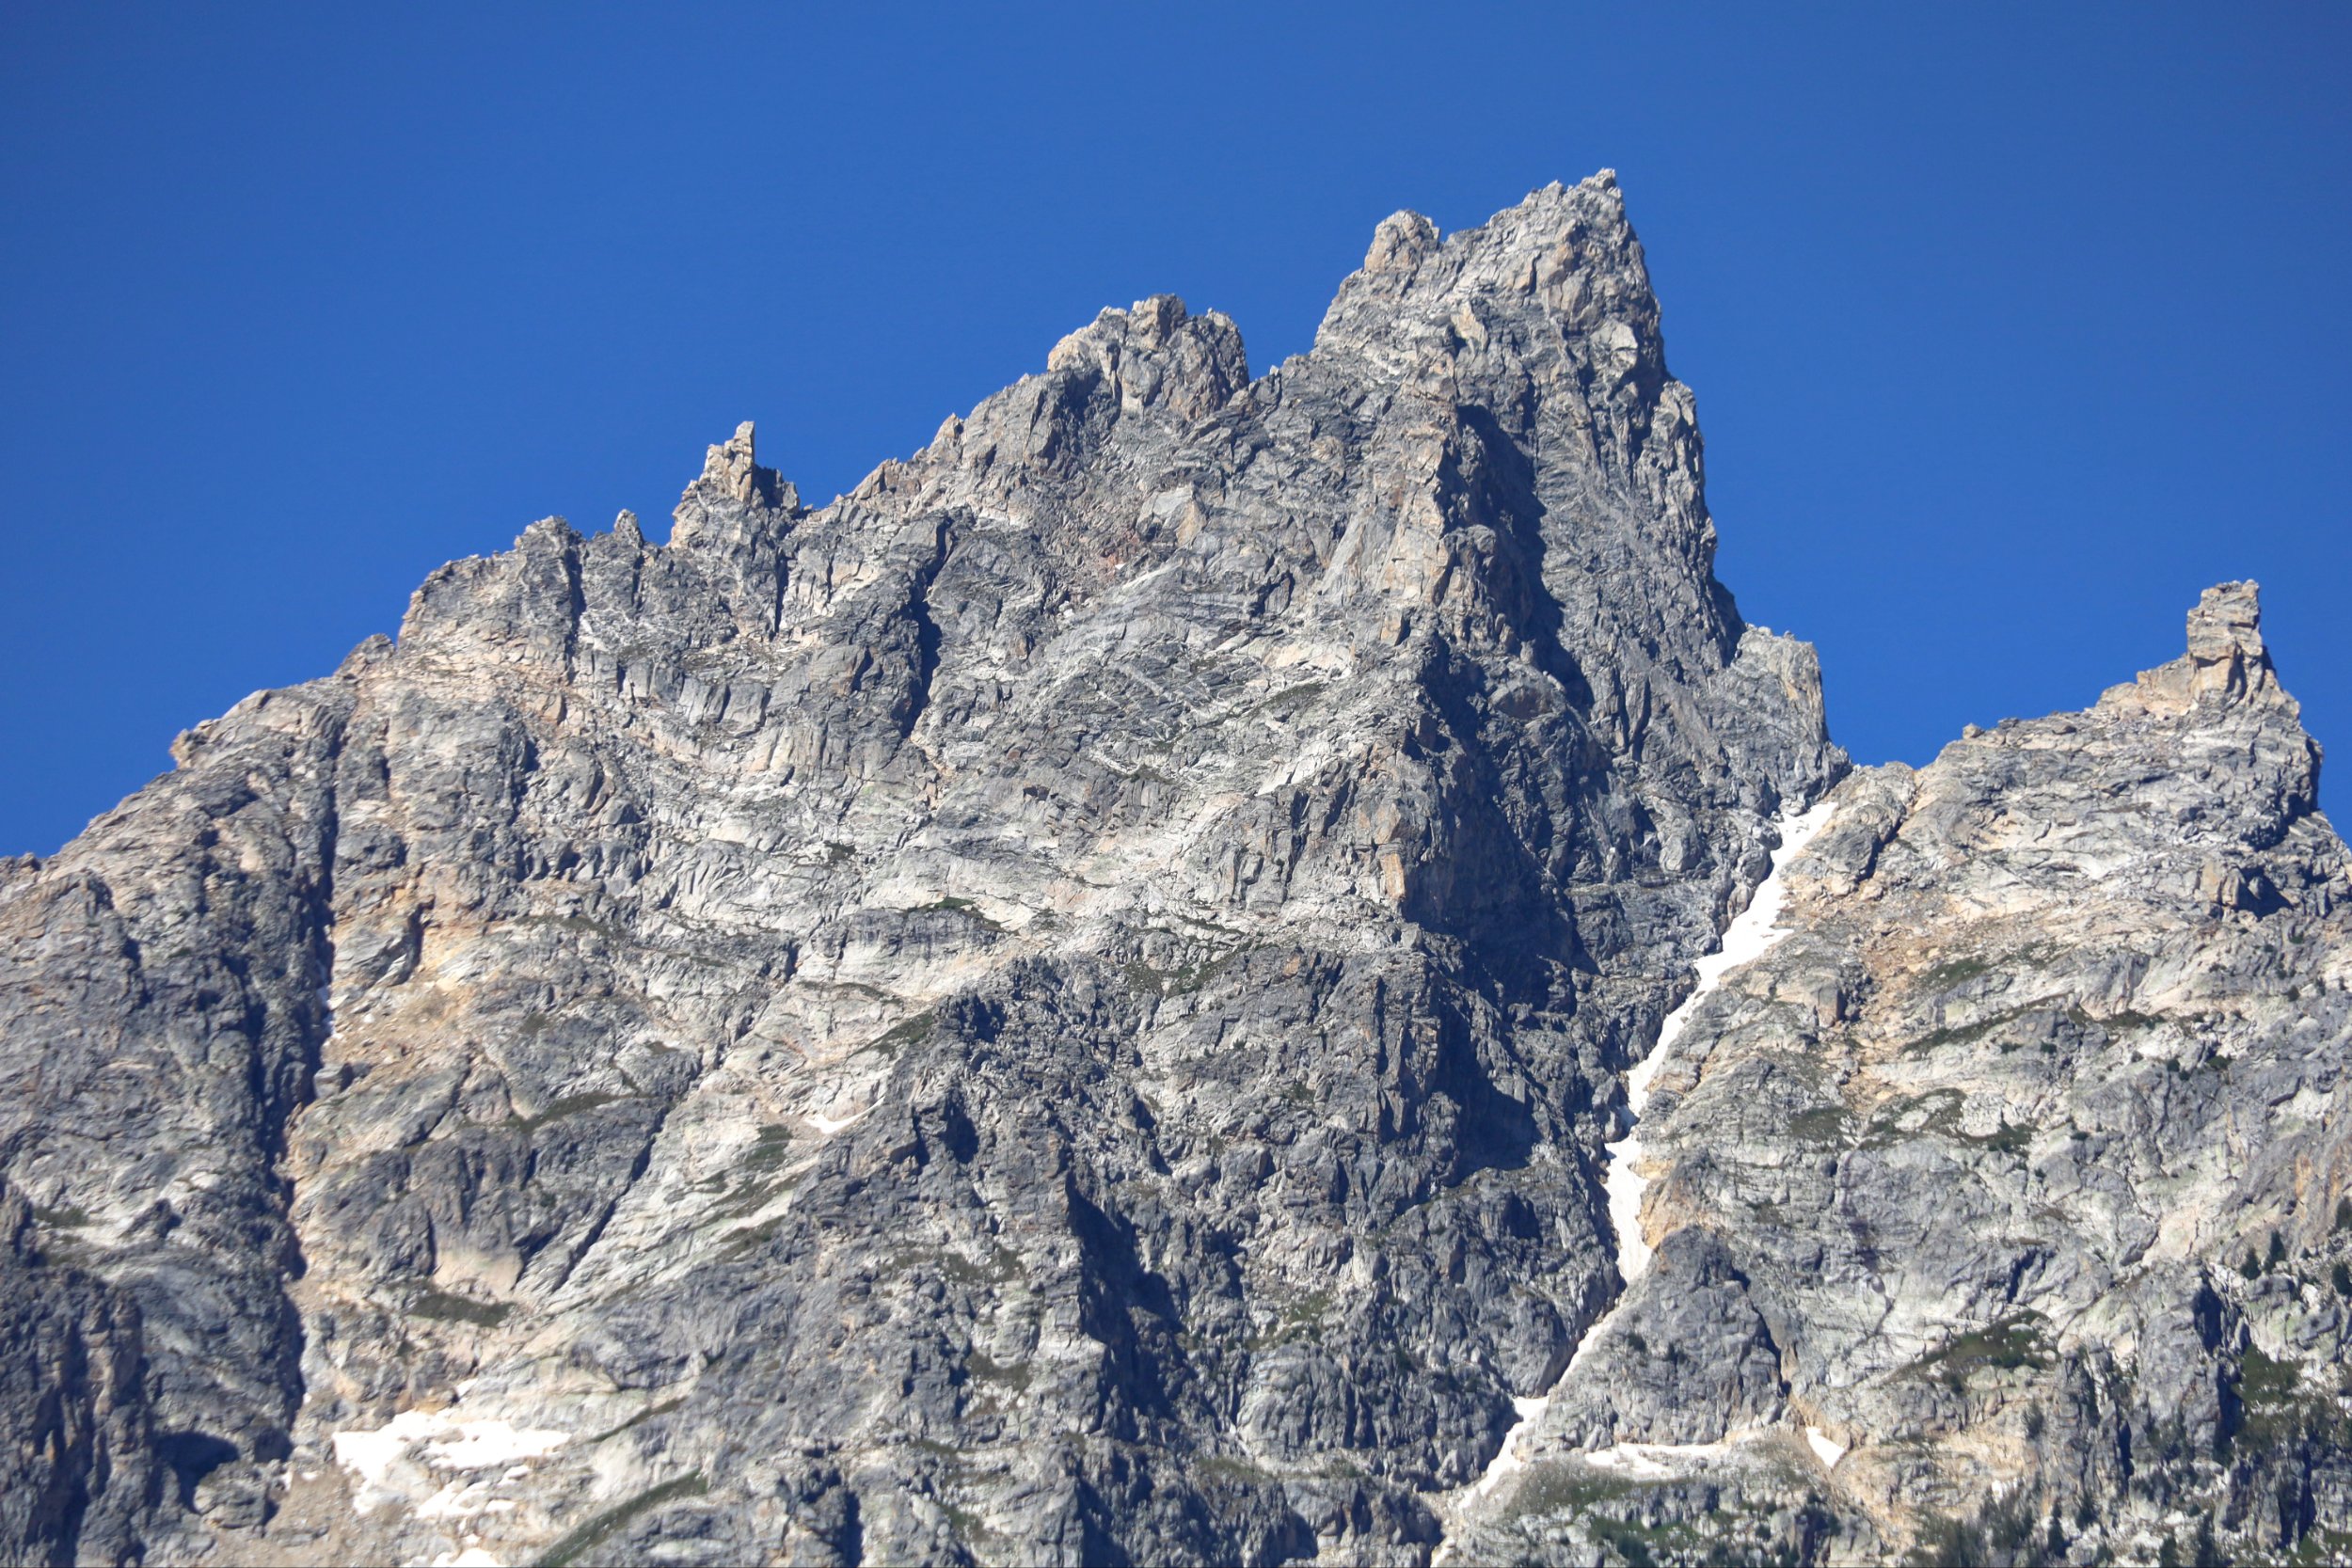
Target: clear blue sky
2010	329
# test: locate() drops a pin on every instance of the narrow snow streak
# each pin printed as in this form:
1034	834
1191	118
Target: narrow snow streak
1747	938
1507	1458
1654	1461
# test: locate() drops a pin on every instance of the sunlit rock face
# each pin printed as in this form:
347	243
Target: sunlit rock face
1071	1005
2011	1179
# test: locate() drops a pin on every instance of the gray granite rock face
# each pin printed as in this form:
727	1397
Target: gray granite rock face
2023	1154
1060	1007
1067	1007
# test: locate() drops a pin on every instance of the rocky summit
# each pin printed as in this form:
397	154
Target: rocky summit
1209	970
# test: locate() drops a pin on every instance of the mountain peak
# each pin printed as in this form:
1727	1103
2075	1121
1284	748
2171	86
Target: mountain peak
1156	354
2226	662
2225	641
1400	242
731	485
1112	954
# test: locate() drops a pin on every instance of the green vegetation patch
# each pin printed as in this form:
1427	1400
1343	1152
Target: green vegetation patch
1968	1033
2010	1138
1015	1377
1185	980
2263	1381
770	1149
1959	971
1002	1268
1823	1124
1647	1546
596	1531
1293	698
650	1413
1234	1472
2125	1023
579	924
1956	972
2004	1346
1566	1489
441	1306
1308	1308
969	1528
1299	1319
755	1236
2323	1545
900	1036
964	907
755	1196
2277	1414
1937	1112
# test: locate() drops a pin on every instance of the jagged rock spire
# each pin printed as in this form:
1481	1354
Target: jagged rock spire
2225	643
2226	661
730	464
732	481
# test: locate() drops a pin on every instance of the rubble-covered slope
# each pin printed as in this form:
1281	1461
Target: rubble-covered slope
1063	1006
2015	1171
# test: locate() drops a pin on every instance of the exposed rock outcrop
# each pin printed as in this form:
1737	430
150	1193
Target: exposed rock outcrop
1070	1006
1061	1006
2020	1162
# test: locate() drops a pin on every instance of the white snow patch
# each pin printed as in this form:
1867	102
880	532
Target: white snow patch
1748	937
831	1125
481	1445
1828	1449
426	1440
456	1500
1652	1461
1508	1458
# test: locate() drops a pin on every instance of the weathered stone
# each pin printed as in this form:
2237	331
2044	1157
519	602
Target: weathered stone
2026	1144
1068	1005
